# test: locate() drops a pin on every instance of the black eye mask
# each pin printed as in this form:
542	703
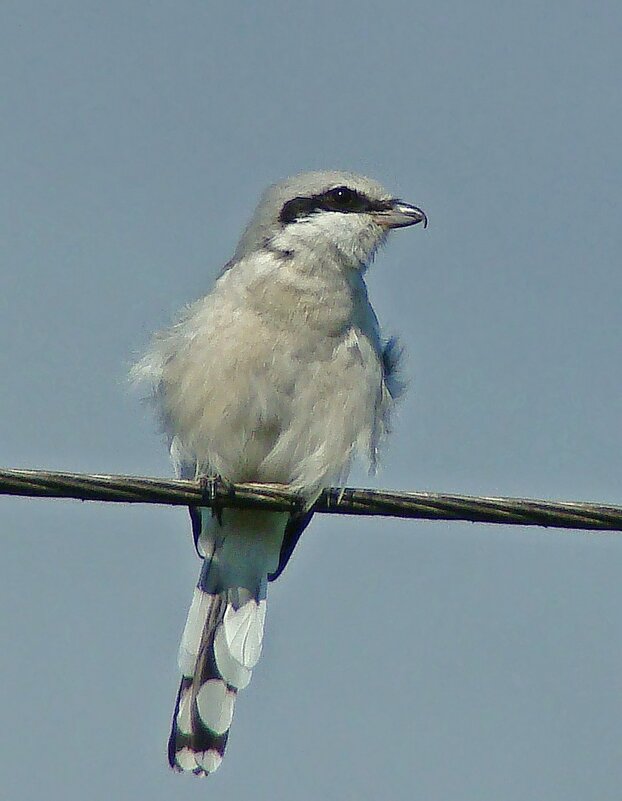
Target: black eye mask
341	199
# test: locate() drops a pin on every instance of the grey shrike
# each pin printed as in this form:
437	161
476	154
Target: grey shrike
280	375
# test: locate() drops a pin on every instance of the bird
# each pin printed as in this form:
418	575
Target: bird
279	374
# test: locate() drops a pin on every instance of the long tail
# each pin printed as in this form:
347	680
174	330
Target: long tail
222	639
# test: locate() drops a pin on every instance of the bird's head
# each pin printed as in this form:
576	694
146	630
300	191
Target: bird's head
327	214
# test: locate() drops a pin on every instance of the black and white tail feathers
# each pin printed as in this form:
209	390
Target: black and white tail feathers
220	646
222	639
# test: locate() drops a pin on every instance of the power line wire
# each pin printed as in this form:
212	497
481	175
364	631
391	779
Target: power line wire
349	501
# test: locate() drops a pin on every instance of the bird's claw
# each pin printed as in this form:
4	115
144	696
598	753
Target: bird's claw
212	489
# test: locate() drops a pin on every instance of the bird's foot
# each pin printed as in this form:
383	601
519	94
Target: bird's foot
213	488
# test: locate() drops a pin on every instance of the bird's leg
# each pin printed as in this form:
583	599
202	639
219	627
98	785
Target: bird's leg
210	486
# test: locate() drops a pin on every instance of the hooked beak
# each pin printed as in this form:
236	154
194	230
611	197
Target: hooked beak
400	214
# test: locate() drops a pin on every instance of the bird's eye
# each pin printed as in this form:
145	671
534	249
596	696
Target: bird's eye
342	196
343	199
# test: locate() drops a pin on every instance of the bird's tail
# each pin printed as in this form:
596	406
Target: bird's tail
222	639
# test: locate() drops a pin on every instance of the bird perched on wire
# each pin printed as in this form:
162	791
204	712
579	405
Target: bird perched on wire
278	375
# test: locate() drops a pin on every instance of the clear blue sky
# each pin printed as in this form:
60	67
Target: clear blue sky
403	660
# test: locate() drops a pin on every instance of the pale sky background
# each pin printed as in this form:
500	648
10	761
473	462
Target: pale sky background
403	659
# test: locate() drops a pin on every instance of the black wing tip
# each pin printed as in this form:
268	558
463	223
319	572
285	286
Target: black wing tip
297	523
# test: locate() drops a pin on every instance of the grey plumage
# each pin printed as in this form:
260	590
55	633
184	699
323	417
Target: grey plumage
279	374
